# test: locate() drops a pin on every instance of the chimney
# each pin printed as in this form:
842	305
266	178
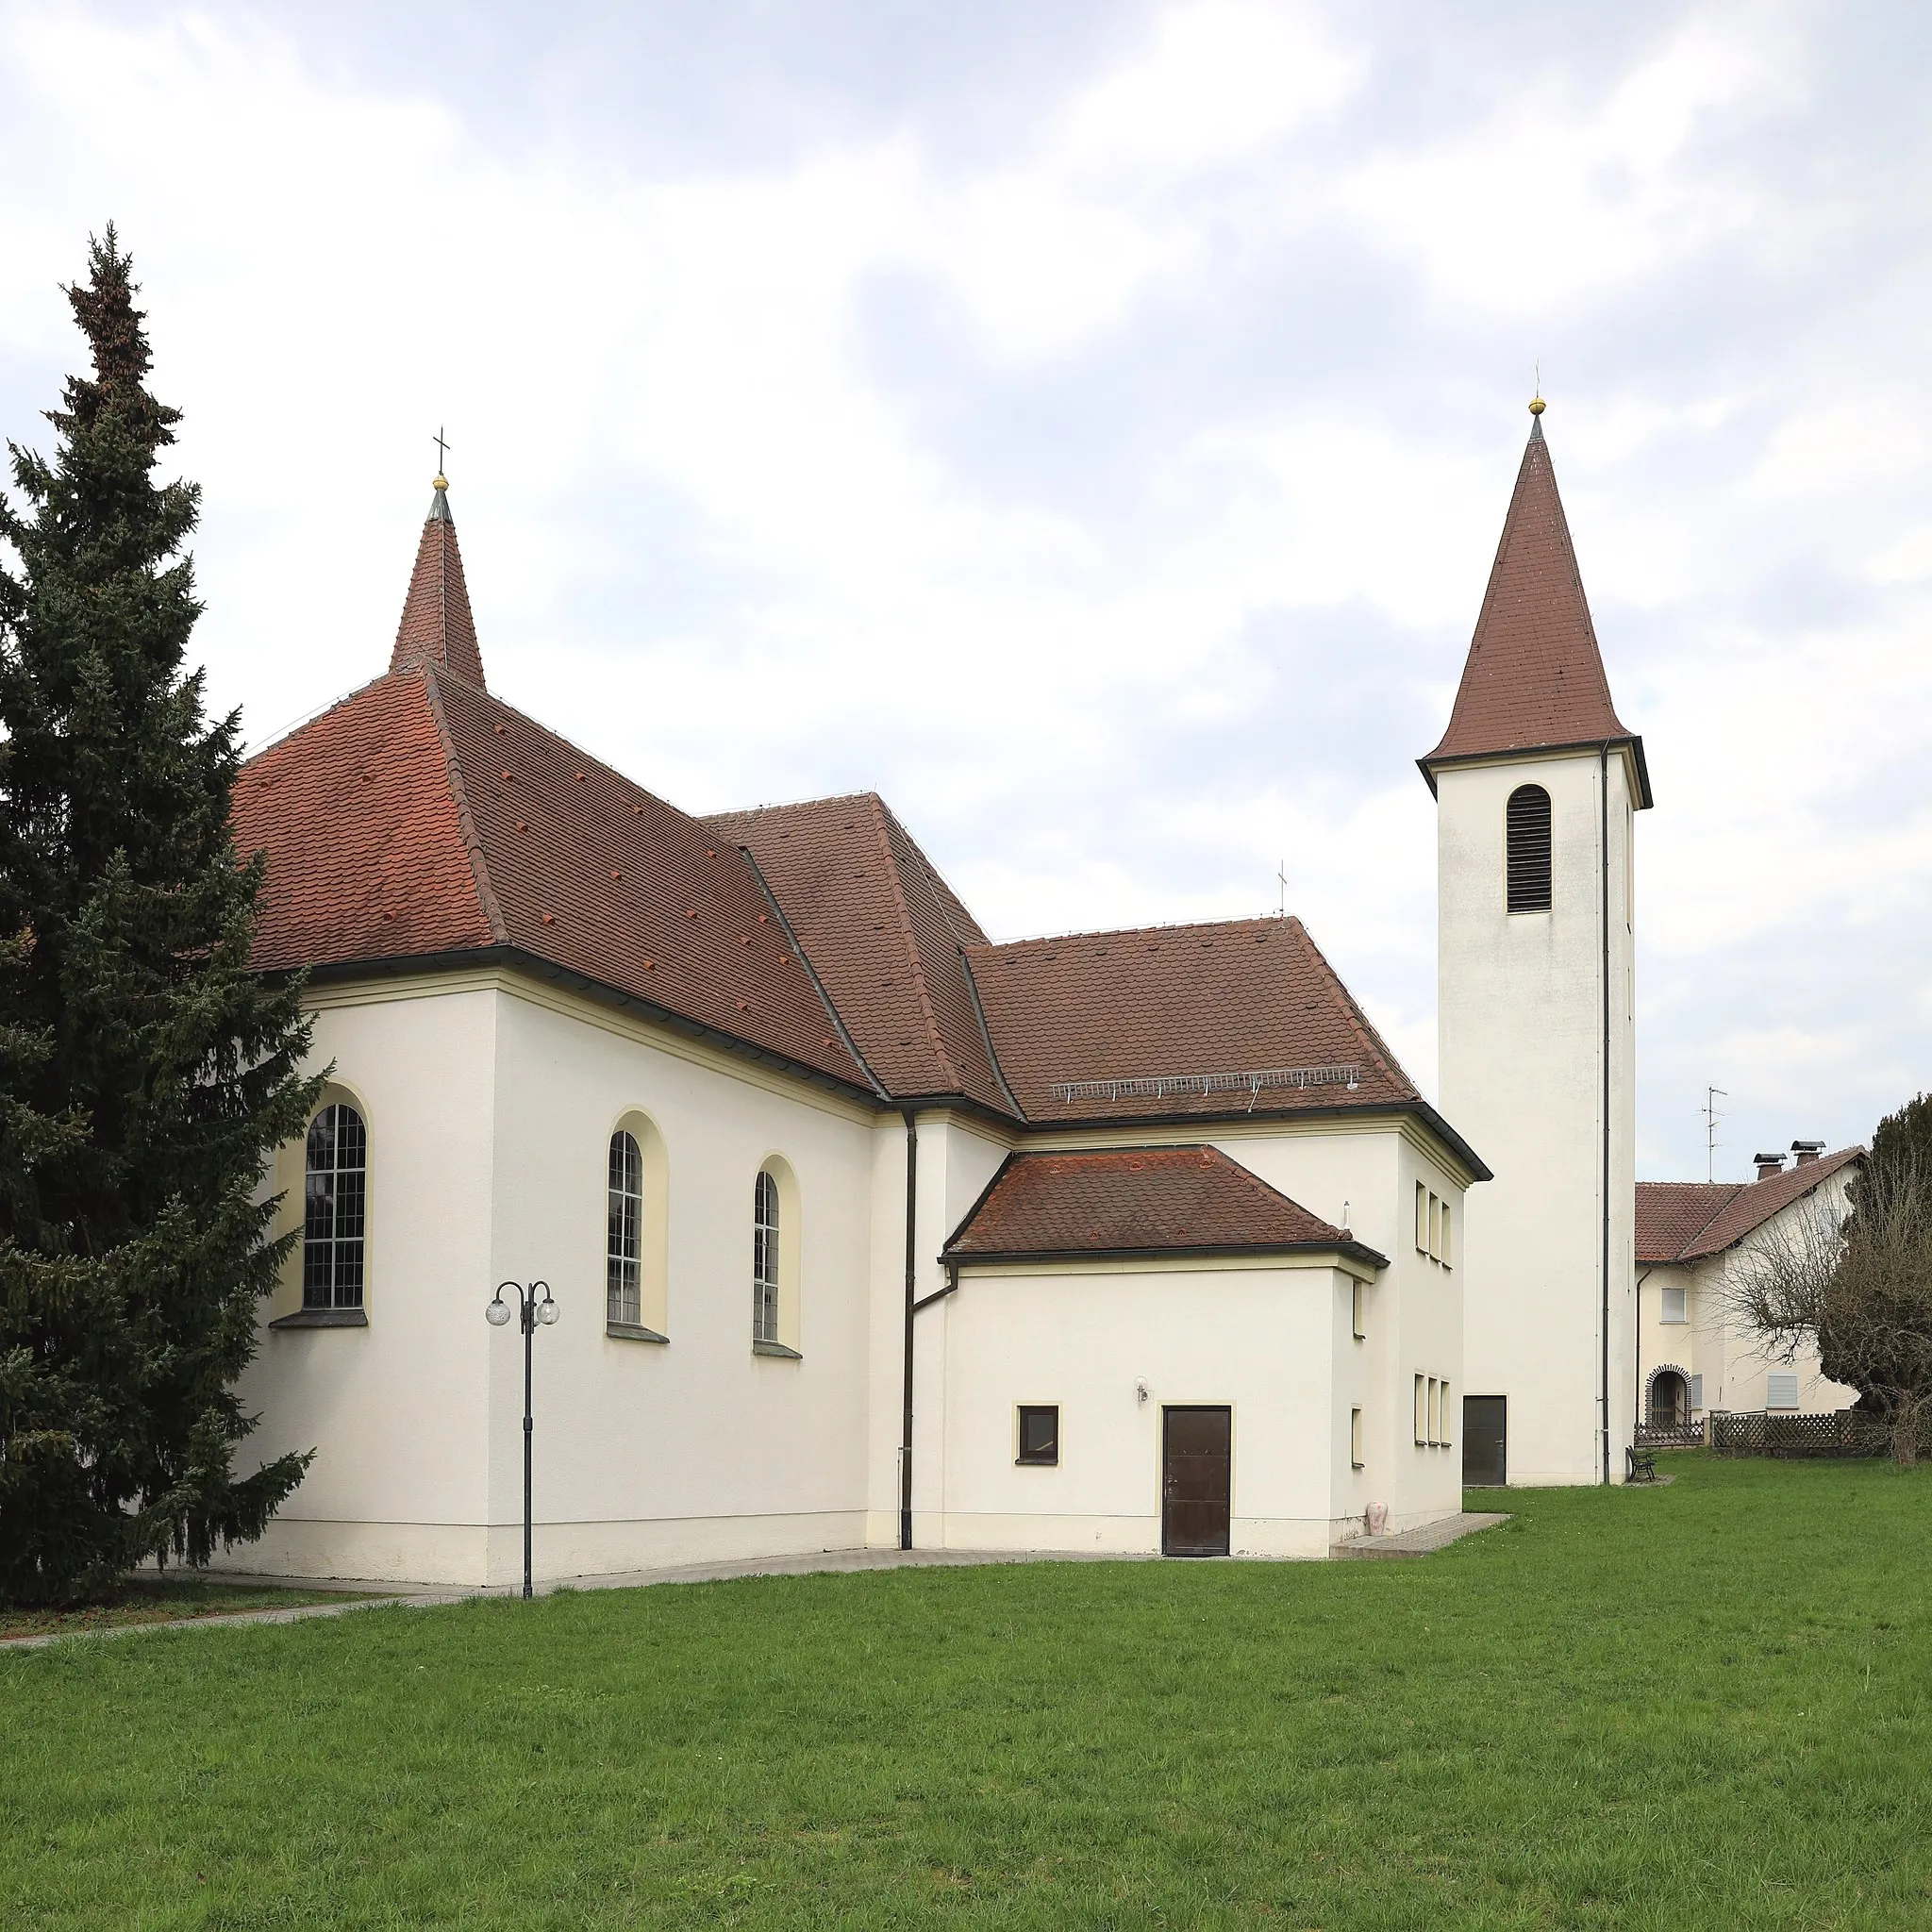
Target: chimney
1769	1164
1806	1150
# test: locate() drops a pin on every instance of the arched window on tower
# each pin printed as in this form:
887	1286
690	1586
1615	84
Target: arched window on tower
1526	820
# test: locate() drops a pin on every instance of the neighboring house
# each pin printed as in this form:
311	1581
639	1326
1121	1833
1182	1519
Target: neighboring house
863	1231
1694	1238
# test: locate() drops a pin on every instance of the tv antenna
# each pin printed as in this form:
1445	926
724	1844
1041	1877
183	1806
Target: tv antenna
1281	881
1712	1117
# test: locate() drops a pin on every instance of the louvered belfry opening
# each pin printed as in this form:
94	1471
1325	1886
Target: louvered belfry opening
1528	822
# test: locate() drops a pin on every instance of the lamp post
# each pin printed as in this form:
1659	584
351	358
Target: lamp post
531	1311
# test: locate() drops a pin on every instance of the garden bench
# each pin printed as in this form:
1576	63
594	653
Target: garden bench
1639	1465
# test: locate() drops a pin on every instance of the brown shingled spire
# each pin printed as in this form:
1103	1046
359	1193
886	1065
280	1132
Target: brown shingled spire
436	627
1534	679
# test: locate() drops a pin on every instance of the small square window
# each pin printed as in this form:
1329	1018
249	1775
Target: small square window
1040	1433
1780	1392
1677	1305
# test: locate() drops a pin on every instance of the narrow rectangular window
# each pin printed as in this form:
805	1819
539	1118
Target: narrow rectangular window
1435	1228
1422	1410
1448	1250
1696	1394
1435	1410
1422	1219
1356	1299
1354	1437
1040	1433
1780	1391
1677	1305
1442	1417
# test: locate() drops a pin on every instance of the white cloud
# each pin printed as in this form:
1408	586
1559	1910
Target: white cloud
1144	551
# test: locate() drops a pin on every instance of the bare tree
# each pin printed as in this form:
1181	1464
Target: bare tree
1862	1291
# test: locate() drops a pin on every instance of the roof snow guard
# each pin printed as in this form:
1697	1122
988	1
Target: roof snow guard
1160	1086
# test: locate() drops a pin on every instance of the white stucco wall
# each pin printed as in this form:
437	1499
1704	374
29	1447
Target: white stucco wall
489	1101
1521	1063
489	1112
396	1410
1272	1342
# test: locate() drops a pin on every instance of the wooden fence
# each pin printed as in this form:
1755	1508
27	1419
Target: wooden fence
1844	1432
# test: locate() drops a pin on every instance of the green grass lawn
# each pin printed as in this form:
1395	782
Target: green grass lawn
1705	1705
163	1600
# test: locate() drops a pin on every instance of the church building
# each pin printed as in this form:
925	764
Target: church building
860	1229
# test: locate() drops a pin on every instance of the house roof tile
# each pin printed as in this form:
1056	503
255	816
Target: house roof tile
421	817
436	627
886	934
1162	1004
1534	679
1136	1201
1686	1221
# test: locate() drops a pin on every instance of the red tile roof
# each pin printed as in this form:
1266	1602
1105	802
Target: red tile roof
1686	1220
1534	679
436	627
885	933
1246	996
1136	1201
421	817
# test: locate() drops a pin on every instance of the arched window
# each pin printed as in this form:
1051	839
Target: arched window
623	1247
336	1194
1527	820
764	1259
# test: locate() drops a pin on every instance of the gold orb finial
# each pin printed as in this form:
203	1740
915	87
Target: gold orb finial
1537	406
442	482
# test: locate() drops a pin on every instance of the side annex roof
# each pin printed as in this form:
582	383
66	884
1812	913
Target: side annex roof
1138	1201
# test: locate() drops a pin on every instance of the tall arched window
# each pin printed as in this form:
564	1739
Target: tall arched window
1528	821
623	1247
764	1259
336	1192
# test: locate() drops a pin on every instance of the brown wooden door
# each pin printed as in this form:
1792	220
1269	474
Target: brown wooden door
1485	1441
1197	1481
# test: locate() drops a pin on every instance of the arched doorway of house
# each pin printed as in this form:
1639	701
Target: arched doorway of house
1668	1406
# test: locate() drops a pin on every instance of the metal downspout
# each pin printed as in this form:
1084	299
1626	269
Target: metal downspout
912	1290
1603	758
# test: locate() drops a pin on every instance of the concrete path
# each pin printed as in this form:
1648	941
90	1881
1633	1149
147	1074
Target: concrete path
1420	1542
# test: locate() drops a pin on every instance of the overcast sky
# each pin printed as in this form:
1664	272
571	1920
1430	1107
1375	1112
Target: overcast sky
1088	425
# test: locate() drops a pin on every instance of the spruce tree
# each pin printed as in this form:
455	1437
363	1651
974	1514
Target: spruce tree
145	1073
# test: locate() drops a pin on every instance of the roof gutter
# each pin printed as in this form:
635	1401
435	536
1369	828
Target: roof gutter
957	1259
1429	766
534	966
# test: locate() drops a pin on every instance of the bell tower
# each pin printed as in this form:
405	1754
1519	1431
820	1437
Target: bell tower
1537	783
